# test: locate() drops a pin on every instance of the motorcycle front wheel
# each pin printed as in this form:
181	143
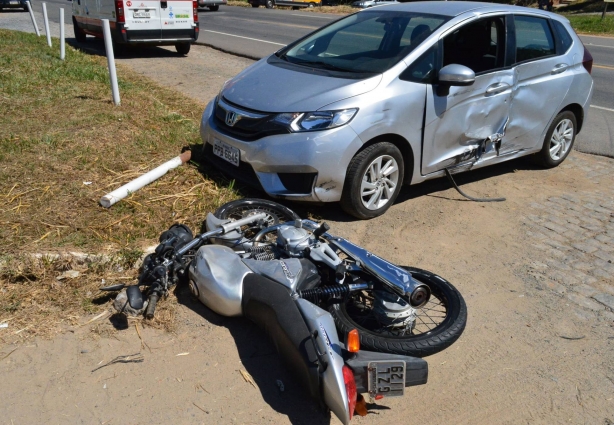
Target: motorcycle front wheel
437	325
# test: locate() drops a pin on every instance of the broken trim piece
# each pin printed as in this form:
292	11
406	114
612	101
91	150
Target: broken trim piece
471	198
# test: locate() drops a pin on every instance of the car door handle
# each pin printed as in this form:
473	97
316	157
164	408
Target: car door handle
561	67
496	88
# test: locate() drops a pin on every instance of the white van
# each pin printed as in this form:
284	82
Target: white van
159	23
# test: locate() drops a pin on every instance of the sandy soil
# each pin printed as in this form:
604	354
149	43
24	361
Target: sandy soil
531	352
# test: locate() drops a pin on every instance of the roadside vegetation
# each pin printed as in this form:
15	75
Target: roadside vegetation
63	145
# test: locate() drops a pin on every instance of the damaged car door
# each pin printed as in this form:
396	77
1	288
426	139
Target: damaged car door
465	121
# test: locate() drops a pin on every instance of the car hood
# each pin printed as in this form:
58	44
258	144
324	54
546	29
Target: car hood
273	88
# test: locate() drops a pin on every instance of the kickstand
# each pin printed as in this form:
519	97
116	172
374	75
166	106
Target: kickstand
467	196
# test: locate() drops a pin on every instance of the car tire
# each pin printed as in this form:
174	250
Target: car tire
368	191
295	8
183	48
312	5
80	35
559	140
214	8
255	5
270	4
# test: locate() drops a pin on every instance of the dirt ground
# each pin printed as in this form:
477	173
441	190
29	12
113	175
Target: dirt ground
538	347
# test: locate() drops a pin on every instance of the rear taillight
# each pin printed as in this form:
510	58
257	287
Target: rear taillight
195	7
587	60
119	12
350	389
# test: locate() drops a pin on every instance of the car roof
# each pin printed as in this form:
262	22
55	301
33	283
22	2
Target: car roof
456	8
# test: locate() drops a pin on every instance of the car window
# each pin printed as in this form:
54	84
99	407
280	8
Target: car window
419	28
422	70
369	41
479	45
564	39
533	38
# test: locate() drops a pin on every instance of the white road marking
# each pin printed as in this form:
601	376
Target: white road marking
317	17
601	107
599	45
240	36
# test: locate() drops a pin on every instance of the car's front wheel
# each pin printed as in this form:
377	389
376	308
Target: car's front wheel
373	180
559	140
270	4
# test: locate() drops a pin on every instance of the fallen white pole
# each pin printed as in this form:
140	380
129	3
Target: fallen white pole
142	181
46	24
108	44
38	33
62	47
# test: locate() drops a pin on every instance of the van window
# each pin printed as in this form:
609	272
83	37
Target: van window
533	38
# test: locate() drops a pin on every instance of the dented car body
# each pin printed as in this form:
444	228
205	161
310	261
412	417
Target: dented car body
396	95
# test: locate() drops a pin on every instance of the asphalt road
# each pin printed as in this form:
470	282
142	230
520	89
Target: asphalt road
258	32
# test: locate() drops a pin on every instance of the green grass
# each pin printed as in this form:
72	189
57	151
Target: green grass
592	24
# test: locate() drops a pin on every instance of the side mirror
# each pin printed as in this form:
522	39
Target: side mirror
454	75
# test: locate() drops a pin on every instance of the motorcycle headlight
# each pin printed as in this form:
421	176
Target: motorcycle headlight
312	121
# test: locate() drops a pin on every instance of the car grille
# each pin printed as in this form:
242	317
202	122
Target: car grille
252	125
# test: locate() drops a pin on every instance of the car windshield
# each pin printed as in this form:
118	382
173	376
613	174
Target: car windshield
370	41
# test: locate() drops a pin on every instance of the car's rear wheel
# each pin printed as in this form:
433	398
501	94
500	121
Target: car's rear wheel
214	8
373	181
559	140
270	4
80	35
183	48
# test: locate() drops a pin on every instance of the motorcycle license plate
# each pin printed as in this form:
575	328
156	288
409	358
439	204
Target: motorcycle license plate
226	152
386	378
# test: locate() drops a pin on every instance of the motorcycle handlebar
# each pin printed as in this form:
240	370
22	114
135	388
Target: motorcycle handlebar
151	306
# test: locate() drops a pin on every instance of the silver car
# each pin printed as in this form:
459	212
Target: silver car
398	95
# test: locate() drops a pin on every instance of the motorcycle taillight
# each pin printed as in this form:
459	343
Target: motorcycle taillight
587	60
350	389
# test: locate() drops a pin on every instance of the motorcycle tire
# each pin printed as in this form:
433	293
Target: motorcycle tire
241	208
418	345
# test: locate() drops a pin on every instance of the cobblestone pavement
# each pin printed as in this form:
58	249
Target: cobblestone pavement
575	232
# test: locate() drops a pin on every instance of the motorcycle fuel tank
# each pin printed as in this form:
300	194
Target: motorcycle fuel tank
216	279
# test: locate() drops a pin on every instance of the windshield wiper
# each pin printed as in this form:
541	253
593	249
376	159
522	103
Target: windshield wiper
324	65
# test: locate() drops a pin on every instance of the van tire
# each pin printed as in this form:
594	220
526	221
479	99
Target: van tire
214	8
183	48
80	35
269	4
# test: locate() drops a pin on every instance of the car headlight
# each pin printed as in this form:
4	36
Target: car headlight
312	121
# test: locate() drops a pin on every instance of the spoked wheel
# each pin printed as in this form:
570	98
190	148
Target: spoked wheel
436	325
241	208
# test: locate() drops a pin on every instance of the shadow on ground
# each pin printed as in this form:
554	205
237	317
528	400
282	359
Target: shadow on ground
262	362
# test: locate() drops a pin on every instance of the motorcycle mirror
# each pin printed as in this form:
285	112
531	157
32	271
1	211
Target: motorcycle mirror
135	297
111	288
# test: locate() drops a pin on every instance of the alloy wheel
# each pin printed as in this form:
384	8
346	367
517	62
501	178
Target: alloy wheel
561	139
379	182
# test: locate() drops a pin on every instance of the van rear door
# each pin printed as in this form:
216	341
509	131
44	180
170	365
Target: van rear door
177	19
143	19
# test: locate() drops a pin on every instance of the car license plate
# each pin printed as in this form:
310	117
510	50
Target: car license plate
386	378
141	14
227	152
14	2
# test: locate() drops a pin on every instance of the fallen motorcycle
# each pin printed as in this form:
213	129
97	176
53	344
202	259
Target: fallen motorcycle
344	320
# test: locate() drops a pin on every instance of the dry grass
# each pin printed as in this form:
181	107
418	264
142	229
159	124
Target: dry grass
63	145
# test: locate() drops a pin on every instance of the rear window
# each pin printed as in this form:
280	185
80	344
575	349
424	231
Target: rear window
371	41
564	39
533	38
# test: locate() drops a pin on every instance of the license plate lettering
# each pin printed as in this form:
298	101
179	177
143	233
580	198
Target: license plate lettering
386	378
139	14
226	152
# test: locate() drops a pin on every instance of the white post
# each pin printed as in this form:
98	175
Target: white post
46	24
108	44
33	19
62	47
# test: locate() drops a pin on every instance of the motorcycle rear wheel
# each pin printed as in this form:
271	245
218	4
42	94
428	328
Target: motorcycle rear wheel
446	310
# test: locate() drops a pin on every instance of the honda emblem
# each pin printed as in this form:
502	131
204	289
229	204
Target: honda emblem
232	118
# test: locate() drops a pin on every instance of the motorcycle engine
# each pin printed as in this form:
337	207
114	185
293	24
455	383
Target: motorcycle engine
392	311
294	239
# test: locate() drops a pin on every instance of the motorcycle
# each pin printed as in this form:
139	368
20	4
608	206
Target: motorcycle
344	320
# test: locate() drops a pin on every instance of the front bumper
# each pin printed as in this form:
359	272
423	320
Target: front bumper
322	154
